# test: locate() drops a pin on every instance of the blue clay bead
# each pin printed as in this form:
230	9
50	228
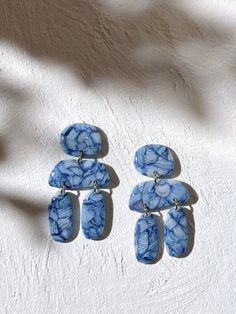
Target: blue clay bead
176	232
151	159
157	196
146	243
93	215
76	175
60	217
81	137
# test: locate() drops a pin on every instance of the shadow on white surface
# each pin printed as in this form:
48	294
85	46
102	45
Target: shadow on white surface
177	164
3	152
33	210
161	43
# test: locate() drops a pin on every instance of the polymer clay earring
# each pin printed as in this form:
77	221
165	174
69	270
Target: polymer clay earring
81	141
157	162
176	230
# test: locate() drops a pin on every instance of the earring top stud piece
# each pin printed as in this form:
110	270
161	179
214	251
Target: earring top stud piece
81	138
154	160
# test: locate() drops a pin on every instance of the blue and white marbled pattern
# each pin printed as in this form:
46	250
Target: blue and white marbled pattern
176	232
153	158
81	137
145	239
157	196
76	175
93	215
60	217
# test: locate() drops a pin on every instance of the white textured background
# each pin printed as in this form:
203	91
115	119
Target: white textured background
144	71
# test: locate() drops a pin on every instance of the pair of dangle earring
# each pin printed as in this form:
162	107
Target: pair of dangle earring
82	141
157	162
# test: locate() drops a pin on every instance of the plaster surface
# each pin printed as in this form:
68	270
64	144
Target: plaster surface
144	72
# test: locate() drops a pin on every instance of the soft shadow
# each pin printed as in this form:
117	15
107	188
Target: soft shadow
193	199
32	209
29	207
177	166
105	146
115	181
100	45
3	152
17	94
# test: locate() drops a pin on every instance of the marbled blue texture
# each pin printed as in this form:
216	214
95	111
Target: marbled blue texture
154	158
81	137
74	174
60	217
176	232
157	195
145	239
93	215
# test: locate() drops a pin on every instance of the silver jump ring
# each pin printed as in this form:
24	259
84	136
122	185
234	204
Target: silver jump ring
80	157
156	178
176	203
95	187
146	209
63	189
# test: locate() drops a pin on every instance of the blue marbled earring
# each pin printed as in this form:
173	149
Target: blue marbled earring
81	141
176	231
157	162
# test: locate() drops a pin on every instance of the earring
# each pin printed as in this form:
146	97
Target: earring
157	162
81	141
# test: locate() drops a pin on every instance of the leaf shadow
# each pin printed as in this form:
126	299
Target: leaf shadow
98	44
33	210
